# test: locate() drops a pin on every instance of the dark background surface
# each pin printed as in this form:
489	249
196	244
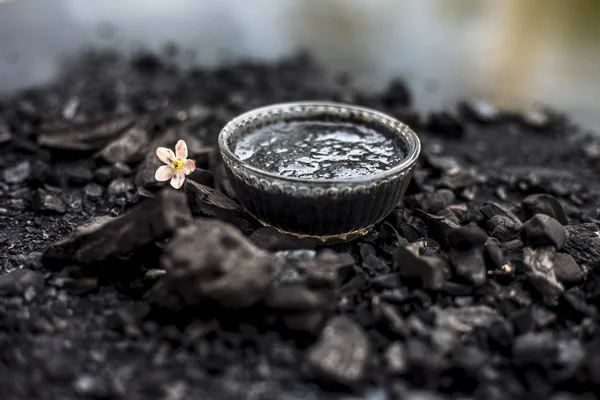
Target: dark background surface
512	53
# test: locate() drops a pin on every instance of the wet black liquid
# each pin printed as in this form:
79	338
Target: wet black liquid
319	150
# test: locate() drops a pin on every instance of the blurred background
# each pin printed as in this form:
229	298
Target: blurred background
512	53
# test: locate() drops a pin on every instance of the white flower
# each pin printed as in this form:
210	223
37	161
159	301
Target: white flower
178	166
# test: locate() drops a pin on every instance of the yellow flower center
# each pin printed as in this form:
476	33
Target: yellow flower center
177	164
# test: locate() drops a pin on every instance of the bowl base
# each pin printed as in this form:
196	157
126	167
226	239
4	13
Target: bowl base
326	239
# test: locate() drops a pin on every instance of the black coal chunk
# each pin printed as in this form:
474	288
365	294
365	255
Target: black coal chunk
396	358
501	222
150	220
371	261
542	230
19	280
539	270
84	136
439	227
211	261
145	173
583	243
429	271
396	95
48	202
479	110
493	253
18	173
566	269
208	202
467	253
79	175
304	293
340	355
465	319
443	123
544	204
129	148
431	202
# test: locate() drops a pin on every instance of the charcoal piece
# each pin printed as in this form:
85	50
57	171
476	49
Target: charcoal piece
535	349
340	355
500	334
574	305
523	320
120	187
544	204
391	319
427	270
462	212
323	269
129	148
491	208
296	297
209	202
48	202
145	172
445	164
425	362
104	174
448	214
467	361
566	269
269	238
464	319
120	169
386	281
211	261
542	230
150	220
371	261
396	359
469	264
439	227
466	238
467	253
583	243
479	110
445	124
396	95
82	136
79	175
93	190
460	179
19	280
431	202
410	232
493	255
18	173
503	228
539	270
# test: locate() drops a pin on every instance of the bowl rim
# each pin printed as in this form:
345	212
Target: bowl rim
406	163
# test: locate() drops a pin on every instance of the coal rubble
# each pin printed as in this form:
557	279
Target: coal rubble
484	283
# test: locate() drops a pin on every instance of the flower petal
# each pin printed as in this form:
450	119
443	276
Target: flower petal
164	173
165	155
178	179
181	149
189	166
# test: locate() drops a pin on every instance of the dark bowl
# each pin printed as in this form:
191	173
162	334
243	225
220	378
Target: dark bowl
328	209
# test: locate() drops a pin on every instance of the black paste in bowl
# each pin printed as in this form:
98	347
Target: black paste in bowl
324	170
